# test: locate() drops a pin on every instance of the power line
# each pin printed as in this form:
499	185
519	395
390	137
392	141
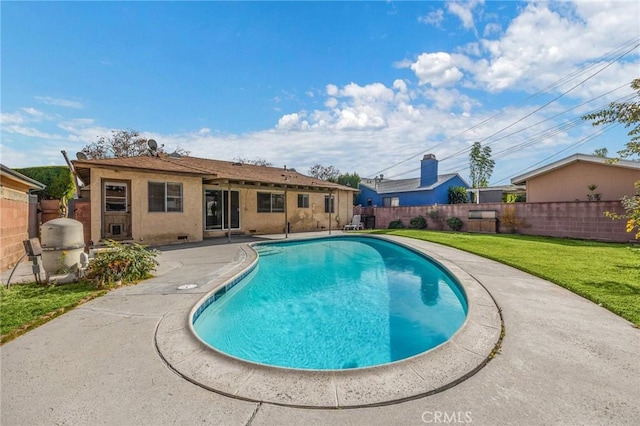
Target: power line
624	49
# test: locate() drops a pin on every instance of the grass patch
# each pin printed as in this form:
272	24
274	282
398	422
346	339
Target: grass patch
605	273
26	306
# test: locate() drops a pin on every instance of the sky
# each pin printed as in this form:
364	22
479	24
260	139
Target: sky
366	87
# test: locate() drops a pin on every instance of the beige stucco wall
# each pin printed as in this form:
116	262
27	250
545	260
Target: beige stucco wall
570	183
155	227
301	220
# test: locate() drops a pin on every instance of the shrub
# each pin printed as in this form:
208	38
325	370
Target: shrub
418	222
454	223
438	218
121	262
458	195
510	221
396	224
520	197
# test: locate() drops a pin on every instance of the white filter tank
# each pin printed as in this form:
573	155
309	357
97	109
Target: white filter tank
62	242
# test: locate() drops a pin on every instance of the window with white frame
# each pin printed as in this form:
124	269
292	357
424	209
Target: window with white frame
165	197
391	201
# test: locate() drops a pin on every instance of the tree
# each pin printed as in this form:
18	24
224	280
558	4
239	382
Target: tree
601	152
458	195
122	143
627	113
255	162
481	165
59	184
352	180
329	173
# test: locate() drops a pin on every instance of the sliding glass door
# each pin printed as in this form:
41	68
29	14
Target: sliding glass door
216	205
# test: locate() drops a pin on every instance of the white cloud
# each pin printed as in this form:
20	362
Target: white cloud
491	29
434	18
542	45
12	118
60	102
437	69
29	132
464	11
288	121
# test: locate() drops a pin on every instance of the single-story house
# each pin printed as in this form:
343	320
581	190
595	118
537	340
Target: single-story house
18	214
160	199
494	194
428	189
580	177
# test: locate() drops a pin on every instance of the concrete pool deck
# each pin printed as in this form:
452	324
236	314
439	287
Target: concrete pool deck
563	359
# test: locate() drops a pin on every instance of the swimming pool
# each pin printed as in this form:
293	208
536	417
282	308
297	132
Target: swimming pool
333	303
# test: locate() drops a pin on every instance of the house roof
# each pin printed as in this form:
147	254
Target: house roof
404	185
211	171
25	180
521	180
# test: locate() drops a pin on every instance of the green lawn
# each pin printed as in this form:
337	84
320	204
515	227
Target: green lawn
26	306
605	273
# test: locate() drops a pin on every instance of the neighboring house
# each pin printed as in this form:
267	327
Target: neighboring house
494	194
430	188
574	178
163	199
17	214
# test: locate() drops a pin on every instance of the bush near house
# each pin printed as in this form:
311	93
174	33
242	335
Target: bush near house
121	263
457	195
418	222
396	224
455	223
438	218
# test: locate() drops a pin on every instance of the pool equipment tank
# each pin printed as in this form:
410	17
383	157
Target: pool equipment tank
62	242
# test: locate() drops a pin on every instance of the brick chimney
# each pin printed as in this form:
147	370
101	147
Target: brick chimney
428	170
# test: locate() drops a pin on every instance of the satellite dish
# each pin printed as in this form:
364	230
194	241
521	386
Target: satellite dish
153	146
175	155
81	156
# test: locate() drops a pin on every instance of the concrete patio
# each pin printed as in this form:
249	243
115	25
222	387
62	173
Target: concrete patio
563	359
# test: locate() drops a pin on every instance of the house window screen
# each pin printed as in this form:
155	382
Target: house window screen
115	197
165	197
391	201
303	201
329	204
270	203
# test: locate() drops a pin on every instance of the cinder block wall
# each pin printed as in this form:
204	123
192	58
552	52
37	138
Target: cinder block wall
578	219
14	216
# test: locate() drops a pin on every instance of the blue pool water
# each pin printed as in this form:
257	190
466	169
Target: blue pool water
334	303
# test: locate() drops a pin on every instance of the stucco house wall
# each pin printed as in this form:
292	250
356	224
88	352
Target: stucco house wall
151	227
205	183
571	183
308	219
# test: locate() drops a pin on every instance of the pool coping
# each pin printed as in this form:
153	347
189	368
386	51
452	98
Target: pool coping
452	362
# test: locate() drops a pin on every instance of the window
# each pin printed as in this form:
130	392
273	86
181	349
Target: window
270	203
115	197
329	204
165	197
391	201
303	201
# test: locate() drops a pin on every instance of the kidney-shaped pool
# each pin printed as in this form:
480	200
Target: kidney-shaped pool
332	304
